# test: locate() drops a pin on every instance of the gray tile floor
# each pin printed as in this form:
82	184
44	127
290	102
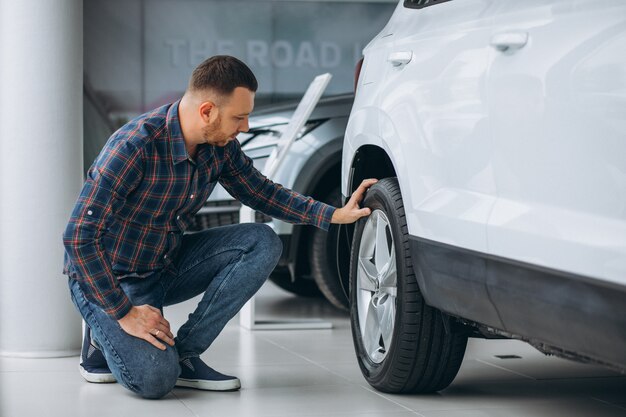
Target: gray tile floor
314	373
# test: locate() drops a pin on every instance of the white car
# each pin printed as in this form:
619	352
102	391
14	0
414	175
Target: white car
498	130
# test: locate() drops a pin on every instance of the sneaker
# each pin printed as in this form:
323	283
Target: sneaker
93	366
196	374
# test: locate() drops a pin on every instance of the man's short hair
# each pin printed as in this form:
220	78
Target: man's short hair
222	74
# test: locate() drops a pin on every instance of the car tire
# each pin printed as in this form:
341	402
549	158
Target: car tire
402	344
304	287
323	258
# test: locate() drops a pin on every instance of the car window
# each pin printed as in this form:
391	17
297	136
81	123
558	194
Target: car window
420	4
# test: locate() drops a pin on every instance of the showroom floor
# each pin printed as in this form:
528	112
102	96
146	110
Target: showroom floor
314	373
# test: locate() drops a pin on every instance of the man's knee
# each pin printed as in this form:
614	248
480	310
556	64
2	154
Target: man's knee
262	255
158	376
268	241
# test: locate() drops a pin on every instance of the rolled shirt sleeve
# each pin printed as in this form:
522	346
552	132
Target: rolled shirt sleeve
116	172
244	182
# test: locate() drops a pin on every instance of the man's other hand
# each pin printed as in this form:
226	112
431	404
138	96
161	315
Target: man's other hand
146	322
352	212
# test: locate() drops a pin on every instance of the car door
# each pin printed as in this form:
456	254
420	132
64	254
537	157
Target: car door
557	94
435	119
557	233
435	125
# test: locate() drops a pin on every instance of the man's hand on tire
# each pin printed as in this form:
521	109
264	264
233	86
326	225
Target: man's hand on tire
352	212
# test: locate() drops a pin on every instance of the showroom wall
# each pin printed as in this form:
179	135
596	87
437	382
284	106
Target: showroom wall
140	53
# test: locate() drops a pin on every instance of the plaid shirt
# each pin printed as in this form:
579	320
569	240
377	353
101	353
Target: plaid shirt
143	191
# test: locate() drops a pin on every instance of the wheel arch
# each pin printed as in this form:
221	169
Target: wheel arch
369	161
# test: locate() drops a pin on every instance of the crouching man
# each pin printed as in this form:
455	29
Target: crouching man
126	254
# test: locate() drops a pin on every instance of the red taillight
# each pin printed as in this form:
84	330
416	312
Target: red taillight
357	73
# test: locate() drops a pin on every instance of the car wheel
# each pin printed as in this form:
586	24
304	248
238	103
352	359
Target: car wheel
401	343
304	287
323	258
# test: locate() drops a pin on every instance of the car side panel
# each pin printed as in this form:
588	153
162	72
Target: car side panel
435	121
559	126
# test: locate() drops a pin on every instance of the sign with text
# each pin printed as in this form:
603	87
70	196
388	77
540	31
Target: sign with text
140	54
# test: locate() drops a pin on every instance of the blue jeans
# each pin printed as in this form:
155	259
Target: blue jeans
228	264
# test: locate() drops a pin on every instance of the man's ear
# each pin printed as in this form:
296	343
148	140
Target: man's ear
208	111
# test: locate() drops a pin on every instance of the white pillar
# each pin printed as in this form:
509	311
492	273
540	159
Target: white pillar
41	82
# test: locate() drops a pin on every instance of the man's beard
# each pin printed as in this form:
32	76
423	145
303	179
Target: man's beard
213	134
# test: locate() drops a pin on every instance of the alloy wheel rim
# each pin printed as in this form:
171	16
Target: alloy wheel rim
376	286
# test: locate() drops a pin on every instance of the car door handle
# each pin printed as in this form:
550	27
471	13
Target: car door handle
400	58
509	41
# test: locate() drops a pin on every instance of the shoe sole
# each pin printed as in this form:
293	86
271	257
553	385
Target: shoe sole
228	385
96	378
